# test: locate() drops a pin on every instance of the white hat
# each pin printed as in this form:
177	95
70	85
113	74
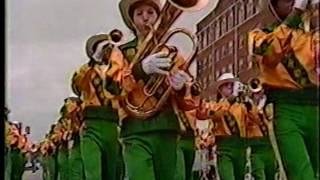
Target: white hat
225	78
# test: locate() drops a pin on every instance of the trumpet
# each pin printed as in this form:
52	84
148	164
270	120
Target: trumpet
142	103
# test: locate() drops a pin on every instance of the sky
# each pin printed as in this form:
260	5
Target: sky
45	45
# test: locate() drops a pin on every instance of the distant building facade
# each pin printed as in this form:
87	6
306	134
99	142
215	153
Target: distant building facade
223	42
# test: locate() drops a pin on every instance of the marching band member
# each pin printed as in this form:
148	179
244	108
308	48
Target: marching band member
72	111
262	158
97	84
228	116
48	158
288	57
150	145
63	151
17	154
186	148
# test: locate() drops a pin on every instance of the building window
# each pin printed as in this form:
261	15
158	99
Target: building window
241	62
210	78
213	27
255	7
250	7
223	70
217	74
250	63
201	40
205	63
230	68
230	20
241	13
213	57
225	50
222	51
223	25
242	41
212	32
218	30
209	60
230	47
204	39
205	83
208	35
217	55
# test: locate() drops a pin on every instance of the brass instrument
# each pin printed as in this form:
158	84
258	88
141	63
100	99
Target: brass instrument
269	113
248	175
143	104
254	85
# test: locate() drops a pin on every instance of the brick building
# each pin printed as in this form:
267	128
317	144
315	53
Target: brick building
223	41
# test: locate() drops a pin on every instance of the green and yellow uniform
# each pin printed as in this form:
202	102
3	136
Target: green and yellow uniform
48	159
263	163
59	138
18	148
230	133
289	66
186	148
98	87
7	158
150	145
72	113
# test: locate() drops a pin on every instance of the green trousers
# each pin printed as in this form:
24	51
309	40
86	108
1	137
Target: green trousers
185	158
76	171
231	157
49	167
262	158
120	174
151	155
8	165
63	166
297	131
100	149
18	162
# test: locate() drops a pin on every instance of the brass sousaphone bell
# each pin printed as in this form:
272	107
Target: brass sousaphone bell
141	103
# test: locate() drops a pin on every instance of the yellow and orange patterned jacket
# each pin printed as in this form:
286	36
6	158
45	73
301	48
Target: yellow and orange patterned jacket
229	119
57	134
255	123
83	82
13	137
288	58
134	81
73	118
16	140
47	147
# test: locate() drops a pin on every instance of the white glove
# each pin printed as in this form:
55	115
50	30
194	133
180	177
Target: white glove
178	80
155	62
300	4
238	87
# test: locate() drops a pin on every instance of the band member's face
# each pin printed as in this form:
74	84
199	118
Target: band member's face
144	15
284	7
226	89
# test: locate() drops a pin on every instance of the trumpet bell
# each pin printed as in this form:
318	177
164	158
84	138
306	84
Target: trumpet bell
255	85
189	5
